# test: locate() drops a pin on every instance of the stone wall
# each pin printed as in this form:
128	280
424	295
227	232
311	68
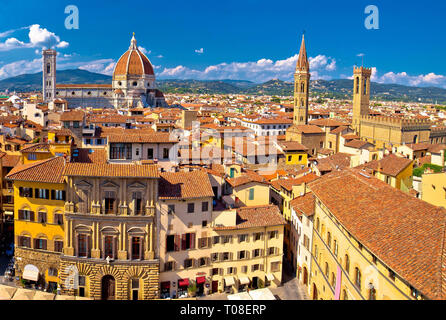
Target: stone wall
123	273
43	260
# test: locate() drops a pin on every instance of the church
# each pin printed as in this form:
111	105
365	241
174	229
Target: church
381	131
133	84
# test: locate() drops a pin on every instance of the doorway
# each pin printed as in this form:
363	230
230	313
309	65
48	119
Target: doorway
305	280
314	292
108	288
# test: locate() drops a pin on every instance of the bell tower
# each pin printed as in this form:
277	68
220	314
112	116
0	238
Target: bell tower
301	86
361	95
49	75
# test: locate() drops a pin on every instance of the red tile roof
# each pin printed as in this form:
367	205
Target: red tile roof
49	171
111	170
406	233
184	185
255	217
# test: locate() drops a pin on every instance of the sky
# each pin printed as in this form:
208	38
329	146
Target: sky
232	39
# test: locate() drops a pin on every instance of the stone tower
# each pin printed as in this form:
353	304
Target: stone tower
301	86
361	95
49	75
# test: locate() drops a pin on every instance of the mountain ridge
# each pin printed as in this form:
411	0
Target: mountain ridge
337	88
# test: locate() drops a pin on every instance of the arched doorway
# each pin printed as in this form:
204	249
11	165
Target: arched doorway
305	279
314	292
108	288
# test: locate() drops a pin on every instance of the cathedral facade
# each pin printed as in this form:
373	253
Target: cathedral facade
133	84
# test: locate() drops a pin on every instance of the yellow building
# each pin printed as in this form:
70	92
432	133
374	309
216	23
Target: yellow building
366	244
39	199
433	188
295	153
248	189
393	170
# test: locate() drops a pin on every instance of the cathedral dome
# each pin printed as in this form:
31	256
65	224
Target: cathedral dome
133	63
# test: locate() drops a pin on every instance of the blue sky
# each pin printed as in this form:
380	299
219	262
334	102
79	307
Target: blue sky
243	39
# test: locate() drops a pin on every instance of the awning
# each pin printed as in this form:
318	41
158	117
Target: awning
201	280
262	294
229	281
243	280
183	282
8	213
270	277
30	272
165	285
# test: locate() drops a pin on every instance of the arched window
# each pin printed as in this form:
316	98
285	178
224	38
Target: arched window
372	292
335	245
327	269
329	240
302	87
317	224
48	68
357	85
302	103
347	263
358	278
135	83
333	279
344	295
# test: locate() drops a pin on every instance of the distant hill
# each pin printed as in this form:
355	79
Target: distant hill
341	88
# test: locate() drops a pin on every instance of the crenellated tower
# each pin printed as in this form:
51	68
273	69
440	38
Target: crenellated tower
361	95
301	86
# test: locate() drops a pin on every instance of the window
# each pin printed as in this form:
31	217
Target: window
150	154
171	209
42	193
204	223
88	141
273	234
256	253
271	251
52	272
135	289
82	286
58	195
121	151
327	269
358	278
242	238
347	263
165	153
58	245
169	266
190	207
226	239
329	240
25	242
82	246
251	194
58	218
26	192
202	262
242	254
335	251
372	292
26	215
109	200
32	156
275	266
214	271
391	275
204	206
75	124
188	263
414	292
214	257
257	236
108	247
42	217
40	244
137	202
188	241
289	158
136	248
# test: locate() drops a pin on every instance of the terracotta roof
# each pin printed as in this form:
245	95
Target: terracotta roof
404	232
306	128
184	185
9	160
327	123
133	62
304	204
74	115
245	178
288	184
37	147
339	160
356	144
111	170
436	148
255	217
419	146
84	85
49	171
155	137
292	146
86	155
339	129
391	165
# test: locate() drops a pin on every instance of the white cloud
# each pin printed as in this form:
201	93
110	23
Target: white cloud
258	71
104	66
38	38
199	51
403	78
144	50
160	56
20	67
